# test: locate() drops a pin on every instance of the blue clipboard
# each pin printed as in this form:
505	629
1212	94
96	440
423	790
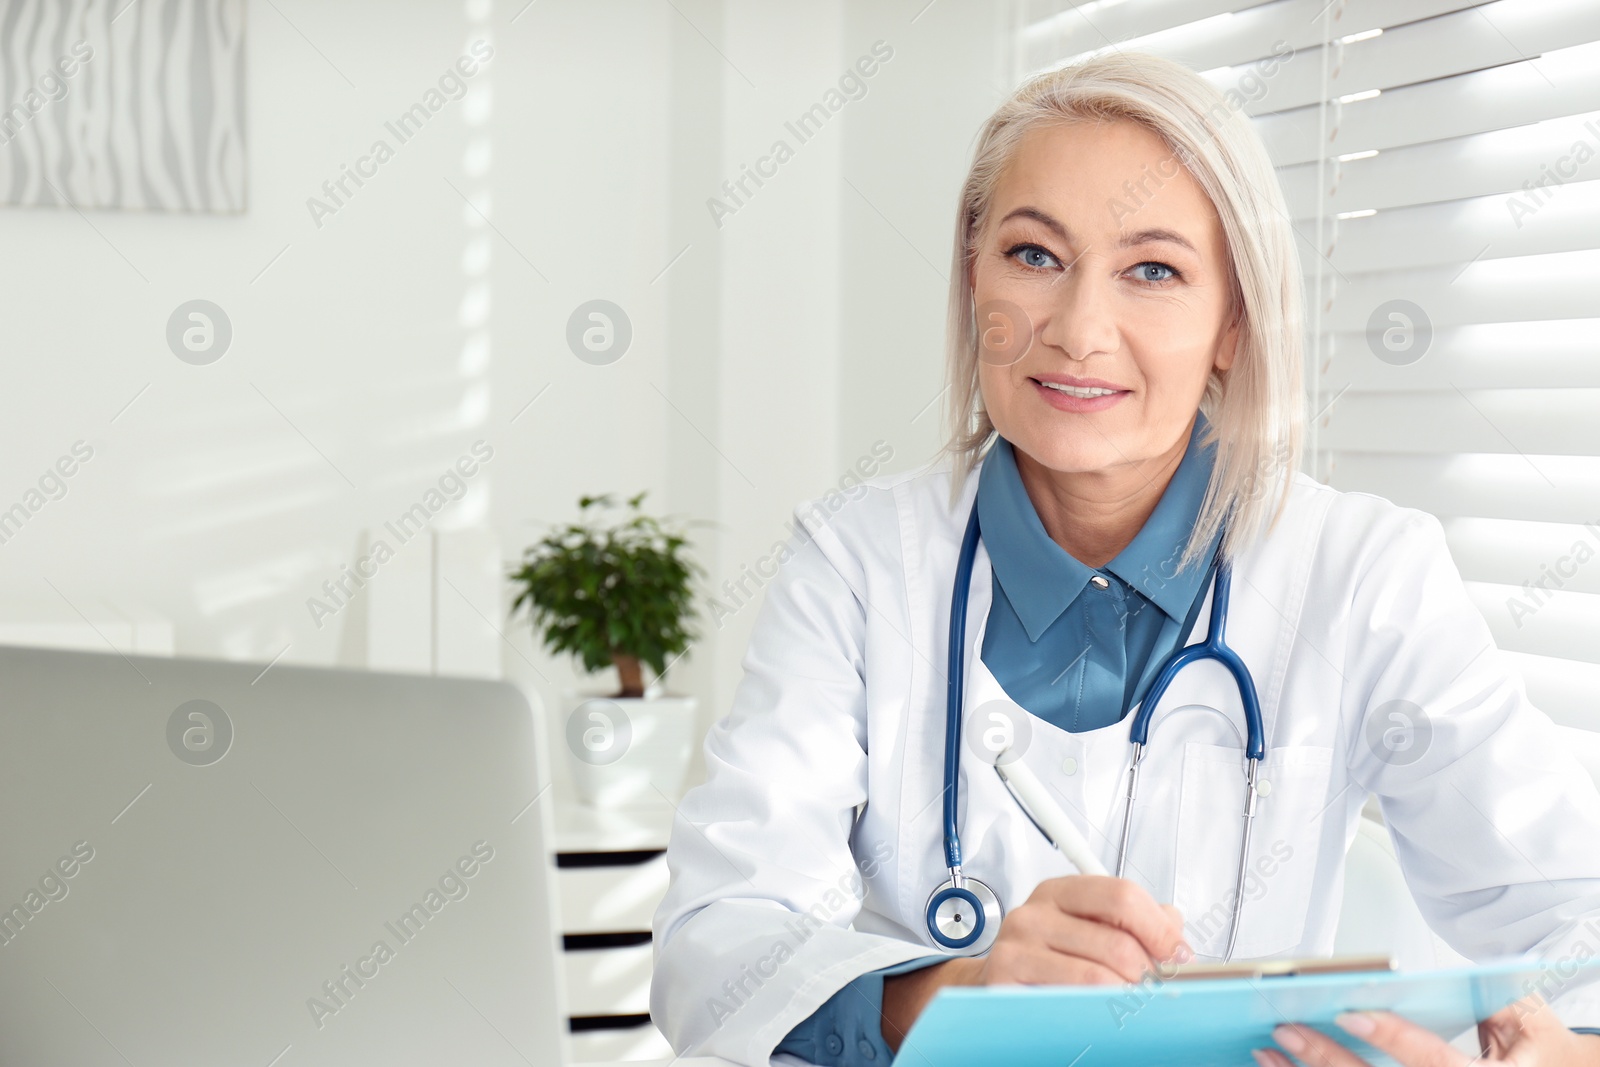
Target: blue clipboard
1206	1022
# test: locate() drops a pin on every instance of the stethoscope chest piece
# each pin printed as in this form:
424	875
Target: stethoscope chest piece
964	918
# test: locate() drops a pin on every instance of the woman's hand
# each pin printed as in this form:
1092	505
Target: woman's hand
1526	1033
1083	929
1078	930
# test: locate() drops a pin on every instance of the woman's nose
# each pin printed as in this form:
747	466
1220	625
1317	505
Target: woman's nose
1076	314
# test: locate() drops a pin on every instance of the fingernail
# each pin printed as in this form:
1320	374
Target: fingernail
1290	1039
1183	953
1261	1058
1356	1023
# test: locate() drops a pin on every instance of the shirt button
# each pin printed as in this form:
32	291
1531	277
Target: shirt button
834	1044
1069	766
1264	788
867	1051
1099	581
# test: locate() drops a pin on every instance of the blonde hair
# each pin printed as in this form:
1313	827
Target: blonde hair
1255	408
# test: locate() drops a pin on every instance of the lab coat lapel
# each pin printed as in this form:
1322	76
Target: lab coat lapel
1058	758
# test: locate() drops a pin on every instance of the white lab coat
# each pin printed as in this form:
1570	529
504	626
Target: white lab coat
807	857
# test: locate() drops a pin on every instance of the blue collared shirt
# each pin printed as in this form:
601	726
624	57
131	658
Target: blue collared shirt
1061	647
1078	645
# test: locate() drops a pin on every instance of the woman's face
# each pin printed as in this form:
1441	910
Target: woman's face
1109	251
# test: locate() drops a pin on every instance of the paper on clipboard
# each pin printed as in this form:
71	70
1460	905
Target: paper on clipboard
1203	1022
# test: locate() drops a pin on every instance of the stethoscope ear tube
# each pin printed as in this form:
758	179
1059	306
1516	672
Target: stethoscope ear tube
1256	735
1244	857
1213	647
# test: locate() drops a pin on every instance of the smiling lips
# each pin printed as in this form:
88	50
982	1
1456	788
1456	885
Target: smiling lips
1066	393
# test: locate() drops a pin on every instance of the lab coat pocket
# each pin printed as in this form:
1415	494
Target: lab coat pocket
1278	882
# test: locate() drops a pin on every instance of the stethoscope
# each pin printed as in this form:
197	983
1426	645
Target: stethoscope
964	914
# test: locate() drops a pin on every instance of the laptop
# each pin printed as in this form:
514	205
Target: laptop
207	863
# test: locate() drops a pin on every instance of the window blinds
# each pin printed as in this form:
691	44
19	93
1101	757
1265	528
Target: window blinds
1441	162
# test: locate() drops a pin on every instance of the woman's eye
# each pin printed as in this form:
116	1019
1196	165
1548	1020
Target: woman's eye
1146	272
1032	256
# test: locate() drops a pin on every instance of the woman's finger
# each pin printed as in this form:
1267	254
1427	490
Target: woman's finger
1520	1025
1271	1057
1408	1043
1107	945
1021	962
1530	1014
1120	903
1316	1049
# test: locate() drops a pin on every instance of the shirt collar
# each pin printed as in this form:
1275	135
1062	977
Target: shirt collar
1040	578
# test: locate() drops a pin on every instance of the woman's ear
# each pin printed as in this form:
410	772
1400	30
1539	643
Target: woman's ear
1228	345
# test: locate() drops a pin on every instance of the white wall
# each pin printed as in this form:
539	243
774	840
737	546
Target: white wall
225	494
765	361
906	152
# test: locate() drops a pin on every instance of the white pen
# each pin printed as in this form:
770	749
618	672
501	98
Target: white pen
1036	801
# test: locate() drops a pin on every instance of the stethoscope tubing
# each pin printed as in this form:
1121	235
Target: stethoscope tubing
955	687
1214	647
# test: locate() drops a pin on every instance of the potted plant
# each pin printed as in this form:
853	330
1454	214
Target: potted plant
617	595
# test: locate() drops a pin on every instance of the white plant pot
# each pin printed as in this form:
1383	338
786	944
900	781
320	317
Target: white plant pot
628	750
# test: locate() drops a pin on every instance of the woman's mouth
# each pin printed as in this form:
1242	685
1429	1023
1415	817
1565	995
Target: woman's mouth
1077	396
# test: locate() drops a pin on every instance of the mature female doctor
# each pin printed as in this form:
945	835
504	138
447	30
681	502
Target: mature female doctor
1124	376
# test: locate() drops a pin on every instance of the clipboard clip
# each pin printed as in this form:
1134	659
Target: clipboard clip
1282	968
